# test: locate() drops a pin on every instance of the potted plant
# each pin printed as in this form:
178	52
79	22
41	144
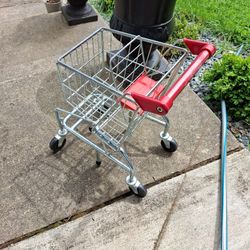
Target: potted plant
52	5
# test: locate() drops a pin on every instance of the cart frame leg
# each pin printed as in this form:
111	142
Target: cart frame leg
62	132
135	186
168	143
133	183
98	158
164	134
129	164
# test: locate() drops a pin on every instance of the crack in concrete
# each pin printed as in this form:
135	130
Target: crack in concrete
109	202
165	223
192	167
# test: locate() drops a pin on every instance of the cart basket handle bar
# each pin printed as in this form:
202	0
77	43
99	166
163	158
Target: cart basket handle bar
162	105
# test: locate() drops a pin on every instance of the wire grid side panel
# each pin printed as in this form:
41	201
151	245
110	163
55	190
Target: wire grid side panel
137	56
119	126
116	60
76	87
127	64
112	44
92	101
166	62
88	57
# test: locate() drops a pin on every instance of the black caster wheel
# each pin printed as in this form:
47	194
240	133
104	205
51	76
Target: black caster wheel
90	129
172	146
98	163
54	145
141	191
103	109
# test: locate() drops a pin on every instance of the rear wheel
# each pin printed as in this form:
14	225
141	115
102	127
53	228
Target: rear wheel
169	146
55	144
140	191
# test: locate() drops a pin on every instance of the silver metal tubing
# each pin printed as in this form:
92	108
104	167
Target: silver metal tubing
130	115
145	39
70	114
98	158
131	167
127	45
79	44
99	149
109	87
173	75
168	72
58	118
153	119
166	128
224	205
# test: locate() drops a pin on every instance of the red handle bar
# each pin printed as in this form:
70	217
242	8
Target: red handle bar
162	106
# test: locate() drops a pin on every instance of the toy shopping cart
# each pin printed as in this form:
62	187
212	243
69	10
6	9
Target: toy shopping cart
112	81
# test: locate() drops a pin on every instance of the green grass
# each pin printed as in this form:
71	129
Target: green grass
104	7
229	19
185	26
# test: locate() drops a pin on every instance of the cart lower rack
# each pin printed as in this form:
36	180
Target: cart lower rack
112	81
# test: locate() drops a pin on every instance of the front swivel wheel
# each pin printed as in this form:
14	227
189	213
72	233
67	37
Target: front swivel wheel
57	144
136	187
169	145
140	191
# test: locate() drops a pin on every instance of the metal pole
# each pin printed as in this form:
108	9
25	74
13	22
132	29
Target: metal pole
224	215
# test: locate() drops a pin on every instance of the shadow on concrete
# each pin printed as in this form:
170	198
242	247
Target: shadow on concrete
46	100
40	29
64	181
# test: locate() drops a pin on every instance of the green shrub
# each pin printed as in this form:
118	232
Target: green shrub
106	6
185	26
230	79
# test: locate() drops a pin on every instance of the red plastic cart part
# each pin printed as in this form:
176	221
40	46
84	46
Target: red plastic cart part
162	106
141	86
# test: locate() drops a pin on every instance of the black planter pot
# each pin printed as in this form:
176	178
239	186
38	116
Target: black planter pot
152	19
77	3
78	11
147	18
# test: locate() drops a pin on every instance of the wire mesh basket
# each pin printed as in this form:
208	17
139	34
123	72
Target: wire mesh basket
100	70
112	81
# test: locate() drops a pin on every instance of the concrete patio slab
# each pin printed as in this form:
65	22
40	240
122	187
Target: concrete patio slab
10	3
195	219
41	188
32	35
181	213
38	188
16	10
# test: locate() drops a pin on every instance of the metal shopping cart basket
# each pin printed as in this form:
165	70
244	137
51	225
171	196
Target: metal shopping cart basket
112	81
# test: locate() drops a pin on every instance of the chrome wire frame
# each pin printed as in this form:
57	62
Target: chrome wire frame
94	75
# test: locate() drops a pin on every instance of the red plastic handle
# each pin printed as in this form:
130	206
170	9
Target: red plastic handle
162	106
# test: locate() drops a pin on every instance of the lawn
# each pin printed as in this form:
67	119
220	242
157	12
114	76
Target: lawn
229	19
